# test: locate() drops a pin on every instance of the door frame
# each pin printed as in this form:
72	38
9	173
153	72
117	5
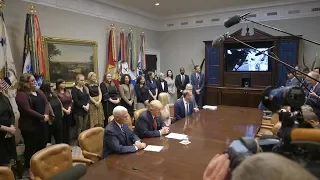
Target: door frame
157	53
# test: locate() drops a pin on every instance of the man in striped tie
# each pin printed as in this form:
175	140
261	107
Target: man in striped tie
118	138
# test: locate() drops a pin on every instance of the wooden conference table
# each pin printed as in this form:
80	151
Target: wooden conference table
210	132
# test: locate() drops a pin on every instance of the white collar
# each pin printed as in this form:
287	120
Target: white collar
184	101
315	86
120	125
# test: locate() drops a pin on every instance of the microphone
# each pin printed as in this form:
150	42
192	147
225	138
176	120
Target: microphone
261	52
73	173
220	39
234	20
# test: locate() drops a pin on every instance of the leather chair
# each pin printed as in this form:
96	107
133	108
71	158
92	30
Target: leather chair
6	173
53	160
91	143
137	113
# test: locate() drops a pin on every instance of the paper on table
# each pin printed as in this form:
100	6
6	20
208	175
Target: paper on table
176	136
153	148
210	107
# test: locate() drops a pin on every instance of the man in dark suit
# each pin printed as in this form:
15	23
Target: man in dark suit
162	84
183	107
313	97
118	138
149	123
181	81
292	81
197	81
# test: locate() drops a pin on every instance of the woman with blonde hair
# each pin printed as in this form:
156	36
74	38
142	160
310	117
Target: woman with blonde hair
96	114
110	96
34	115
80	97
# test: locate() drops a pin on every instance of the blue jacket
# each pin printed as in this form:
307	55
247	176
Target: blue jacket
144	126
179	109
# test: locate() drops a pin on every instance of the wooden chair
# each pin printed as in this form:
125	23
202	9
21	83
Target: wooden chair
91	143
163	98
269	126
6	173
52	160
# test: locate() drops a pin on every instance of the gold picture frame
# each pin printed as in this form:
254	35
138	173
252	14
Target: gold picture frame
65	58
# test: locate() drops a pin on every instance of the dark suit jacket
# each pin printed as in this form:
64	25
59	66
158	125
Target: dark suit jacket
197	84
179	109
314	102
292	82
179	84
115	142
29	118
144	126
160	89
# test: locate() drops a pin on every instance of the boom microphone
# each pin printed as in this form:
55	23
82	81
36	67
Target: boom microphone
261	52
220	39
305	134
234	20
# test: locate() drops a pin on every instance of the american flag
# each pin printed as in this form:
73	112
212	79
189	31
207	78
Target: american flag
5	84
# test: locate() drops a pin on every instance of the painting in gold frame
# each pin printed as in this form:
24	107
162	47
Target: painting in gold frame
65	58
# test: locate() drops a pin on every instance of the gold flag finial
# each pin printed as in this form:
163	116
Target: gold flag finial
130	29
2	4
112	26
32	9
121	29
142	31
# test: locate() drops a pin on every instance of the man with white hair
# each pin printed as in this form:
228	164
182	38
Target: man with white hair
149	123
118	138
189	87
313	97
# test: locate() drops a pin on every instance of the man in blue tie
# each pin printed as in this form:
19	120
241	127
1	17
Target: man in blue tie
118	138
313	97
197	81
292	81
183	107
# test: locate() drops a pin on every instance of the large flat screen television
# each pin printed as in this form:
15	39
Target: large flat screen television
246	59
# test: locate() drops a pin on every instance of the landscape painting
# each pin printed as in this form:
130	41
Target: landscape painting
65	58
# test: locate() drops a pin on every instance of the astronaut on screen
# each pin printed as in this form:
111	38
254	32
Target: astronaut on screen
249	60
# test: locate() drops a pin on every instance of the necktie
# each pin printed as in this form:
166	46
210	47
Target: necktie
155	123
122	130
182	79
187	109
198	78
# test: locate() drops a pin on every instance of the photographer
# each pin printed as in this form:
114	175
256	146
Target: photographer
262	166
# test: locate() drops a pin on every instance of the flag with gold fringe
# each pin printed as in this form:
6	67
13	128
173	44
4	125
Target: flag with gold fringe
112	58
33	58
142	56
131	53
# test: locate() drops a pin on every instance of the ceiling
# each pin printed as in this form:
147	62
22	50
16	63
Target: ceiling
173	7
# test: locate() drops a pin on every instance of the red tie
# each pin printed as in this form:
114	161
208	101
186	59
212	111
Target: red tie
155	123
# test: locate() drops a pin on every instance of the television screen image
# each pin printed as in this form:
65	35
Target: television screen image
246	59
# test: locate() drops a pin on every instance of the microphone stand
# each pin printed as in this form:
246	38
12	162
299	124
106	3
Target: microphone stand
275	58
276	29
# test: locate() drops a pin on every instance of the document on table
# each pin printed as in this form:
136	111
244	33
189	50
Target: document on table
153	148
176	136
210	107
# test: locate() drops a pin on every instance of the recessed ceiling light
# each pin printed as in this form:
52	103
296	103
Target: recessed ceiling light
157	4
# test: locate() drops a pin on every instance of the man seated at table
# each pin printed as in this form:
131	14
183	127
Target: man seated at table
118	138
149	123
193	100
183	107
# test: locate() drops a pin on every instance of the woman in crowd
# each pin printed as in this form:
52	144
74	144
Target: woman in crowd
96	114
171	86
56	114
7	130
152	85
110	96
66	100
127	93
34	114
80	97
142	92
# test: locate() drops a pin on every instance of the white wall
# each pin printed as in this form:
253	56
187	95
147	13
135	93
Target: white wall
177	47
65	24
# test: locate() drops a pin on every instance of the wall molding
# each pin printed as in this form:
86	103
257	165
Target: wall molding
262	12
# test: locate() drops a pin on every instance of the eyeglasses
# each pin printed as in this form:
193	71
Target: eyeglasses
32	80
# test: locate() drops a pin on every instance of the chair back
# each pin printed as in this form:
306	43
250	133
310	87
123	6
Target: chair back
163	98
137	113
6	173
51	160
91	141
171	109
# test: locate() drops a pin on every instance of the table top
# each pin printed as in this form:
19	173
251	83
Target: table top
210	132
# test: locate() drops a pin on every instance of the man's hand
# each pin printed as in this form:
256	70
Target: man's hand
218	168
140	145
313	94
164	130
11	130
46	118
198	91
195	109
